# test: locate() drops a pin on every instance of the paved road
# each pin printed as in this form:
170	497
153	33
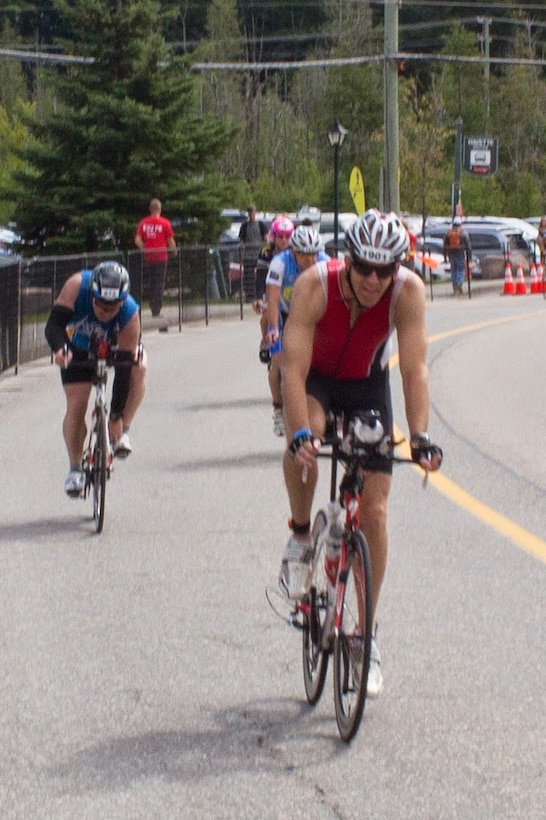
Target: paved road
143	673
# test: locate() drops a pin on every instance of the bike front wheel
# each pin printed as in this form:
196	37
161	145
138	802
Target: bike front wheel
315	650
100	464
352	641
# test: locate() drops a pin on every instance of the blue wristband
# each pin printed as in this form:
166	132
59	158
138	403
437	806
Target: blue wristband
301	437
303	431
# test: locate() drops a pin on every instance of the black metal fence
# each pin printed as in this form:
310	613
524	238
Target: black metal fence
198	275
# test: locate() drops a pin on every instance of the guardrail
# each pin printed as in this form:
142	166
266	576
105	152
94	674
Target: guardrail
197	276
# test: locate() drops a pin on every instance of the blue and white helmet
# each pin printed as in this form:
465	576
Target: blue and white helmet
110	282
377	238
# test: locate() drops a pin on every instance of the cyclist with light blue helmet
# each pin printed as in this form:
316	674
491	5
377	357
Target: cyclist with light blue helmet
304	251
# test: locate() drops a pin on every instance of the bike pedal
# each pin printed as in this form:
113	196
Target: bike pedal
75	494
123	454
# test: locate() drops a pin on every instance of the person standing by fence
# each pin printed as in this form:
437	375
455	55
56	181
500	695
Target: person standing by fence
155	238
252	234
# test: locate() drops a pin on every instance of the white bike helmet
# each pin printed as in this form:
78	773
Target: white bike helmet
305	239
377	238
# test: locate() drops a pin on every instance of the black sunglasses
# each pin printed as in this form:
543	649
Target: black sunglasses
382	271
106	305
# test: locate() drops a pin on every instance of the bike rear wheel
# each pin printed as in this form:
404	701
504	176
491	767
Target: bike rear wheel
315	655
100	462
352	643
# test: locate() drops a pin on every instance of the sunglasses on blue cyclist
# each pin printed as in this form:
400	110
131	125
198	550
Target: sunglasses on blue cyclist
382	271
106	305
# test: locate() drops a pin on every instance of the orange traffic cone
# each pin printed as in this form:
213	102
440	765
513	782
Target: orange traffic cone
521	287
540	278
533	279
509	284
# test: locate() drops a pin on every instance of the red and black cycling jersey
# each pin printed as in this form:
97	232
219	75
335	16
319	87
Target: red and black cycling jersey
344	352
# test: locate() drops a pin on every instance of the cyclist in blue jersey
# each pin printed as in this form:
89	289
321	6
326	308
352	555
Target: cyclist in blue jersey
284	269
92	305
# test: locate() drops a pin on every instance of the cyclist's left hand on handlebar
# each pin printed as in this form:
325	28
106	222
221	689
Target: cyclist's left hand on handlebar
428	456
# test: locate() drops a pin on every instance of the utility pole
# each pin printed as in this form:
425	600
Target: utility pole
390	109
458	166
485	41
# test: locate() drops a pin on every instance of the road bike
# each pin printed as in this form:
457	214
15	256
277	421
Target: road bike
98	456
336	615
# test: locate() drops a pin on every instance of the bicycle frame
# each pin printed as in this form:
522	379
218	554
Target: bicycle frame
98	456
343	623
350	492
100	382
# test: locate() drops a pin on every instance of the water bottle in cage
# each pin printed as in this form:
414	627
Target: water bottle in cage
333	542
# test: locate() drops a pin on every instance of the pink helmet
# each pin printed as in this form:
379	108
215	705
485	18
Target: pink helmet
281	225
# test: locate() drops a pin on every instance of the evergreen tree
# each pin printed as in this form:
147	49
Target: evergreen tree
126	128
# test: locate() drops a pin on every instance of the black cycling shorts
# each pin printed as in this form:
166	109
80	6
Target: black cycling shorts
350	396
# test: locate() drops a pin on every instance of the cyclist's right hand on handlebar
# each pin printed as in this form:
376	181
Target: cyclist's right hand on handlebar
303	448
63	356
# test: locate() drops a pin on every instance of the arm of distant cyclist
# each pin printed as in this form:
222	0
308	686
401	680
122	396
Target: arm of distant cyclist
272	298
306	308
61	314
128	344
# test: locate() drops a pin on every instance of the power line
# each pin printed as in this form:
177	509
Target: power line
284	65
43	56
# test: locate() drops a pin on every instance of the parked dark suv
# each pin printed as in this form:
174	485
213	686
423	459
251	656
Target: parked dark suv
490	244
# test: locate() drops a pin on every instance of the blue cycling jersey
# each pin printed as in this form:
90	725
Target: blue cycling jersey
84	325
283	272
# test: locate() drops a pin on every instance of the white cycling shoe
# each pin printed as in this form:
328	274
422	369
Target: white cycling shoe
296	569
375	678
122	447
75	483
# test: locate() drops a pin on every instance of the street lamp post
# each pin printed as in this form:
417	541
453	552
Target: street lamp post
336	134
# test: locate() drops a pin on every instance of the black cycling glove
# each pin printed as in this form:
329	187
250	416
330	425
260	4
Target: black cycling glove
422	448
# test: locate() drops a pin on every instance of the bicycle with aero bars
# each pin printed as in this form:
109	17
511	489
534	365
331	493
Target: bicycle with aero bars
98	456
337	618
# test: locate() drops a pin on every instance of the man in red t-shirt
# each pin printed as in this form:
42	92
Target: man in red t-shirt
155	237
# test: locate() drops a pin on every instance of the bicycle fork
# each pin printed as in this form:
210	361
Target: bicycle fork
89	453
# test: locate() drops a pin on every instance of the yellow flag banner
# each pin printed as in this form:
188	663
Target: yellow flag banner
356	187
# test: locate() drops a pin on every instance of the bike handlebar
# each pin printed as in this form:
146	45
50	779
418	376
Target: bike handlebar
111	357
363	439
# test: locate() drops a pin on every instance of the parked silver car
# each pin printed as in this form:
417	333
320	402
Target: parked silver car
492	243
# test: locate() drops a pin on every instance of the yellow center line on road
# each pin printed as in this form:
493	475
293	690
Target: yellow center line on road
505	526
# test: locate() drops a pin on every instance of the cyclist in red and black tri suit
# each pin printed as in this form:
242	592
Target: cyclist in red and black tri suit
336	348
